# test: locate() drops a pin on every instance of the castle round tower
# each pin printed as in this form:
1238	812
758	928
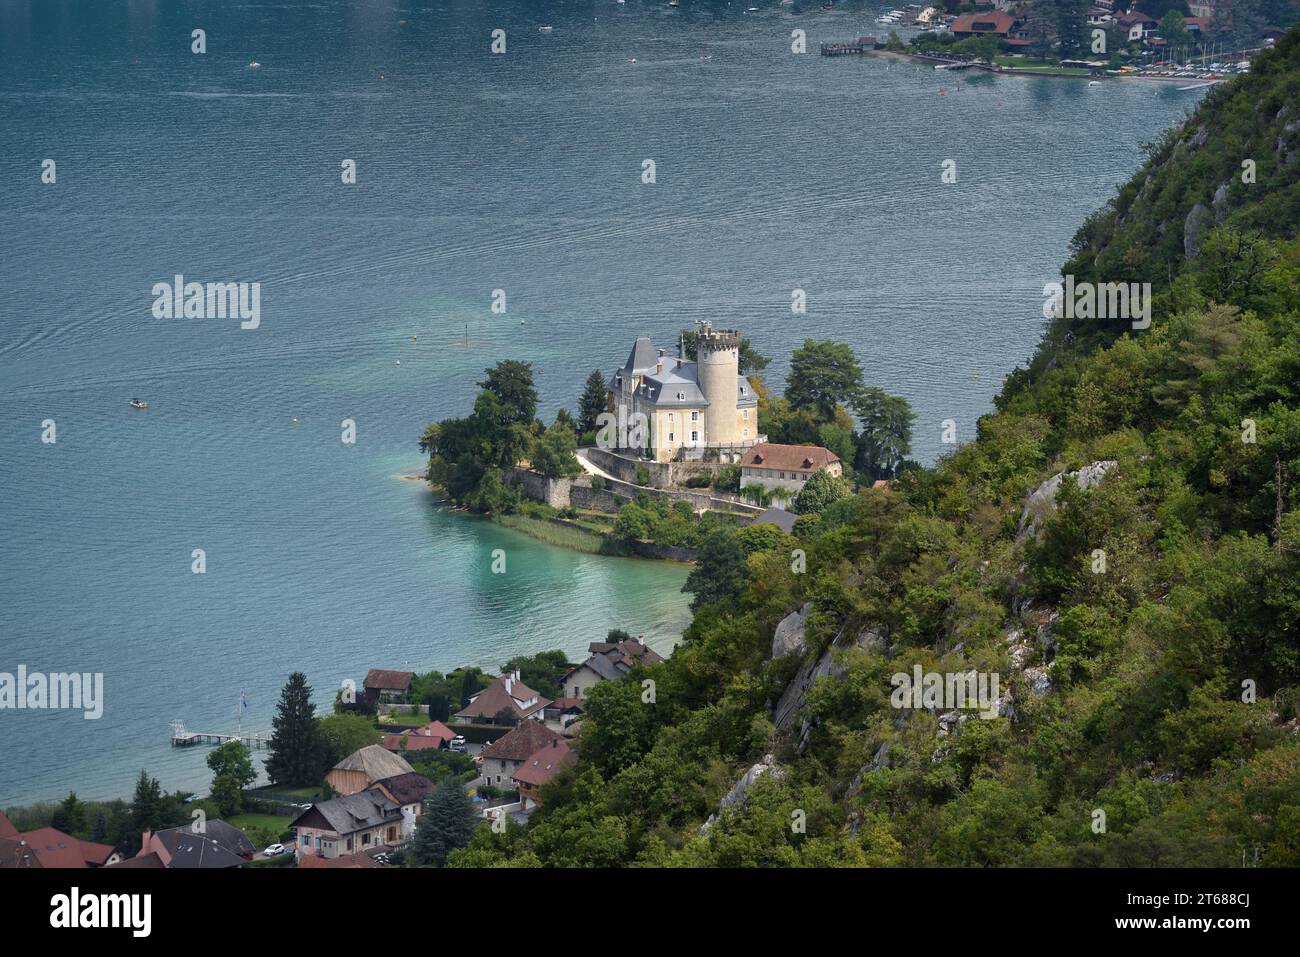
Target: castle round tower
718	355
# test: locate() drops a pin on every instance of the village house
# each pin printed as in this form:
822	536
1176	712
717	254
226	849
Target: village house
219	845
691	407
562	712
388	686
348	824
608	661
408	792
362	768
540	767
49	847
786	467
996	23
507	700
1138	25
432	736
507	754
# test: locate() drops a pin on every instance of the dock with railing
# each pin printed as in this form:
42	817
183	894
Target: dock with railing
849	47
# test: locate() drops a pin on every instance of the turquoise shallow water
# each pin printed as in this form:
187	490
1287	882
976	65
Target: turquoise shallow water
476	172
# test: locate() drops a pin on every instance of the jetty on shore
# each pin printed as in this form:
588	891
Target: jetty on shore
181	737
849	47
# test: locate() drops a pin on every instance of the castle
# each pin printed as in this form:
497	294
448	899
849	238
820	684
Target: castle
694	409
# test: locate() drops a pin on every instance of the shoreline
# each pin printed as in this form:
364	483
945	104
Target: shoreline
603	544
1052	73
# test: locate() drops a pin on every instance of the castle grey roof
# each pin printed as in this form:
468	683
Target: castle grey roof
677	385
642	358
673	386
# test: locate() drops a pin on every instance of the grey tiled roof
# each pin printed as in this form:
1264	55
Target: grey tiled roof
354	812
642	358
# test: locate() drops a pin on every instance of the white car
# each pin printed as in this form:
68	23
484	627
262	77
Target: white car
457	743
275	850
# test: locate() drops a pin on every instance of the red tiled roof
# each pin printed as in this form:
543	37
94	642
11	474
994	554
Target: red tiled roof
995	21
7	828
409	788
435	734
359	859
380	679
53	848
522	741
769	455
542	765
414	742
494	699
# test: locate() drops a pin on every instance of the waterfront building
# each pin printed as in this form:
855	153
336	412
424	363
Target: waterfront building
693	409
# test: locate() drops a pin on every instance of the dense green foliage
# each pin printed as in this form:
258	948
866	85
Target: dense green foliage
469	457
296	751
1147	636
447	823
232	771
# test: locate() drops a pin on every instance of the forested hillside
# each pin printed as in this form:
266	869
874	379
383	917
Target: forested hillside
1144	619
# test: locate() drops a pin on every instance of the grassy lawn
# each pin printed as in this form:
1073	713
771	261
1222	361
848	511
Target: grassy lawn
566	537
274	822
405	720
1038	65
262	829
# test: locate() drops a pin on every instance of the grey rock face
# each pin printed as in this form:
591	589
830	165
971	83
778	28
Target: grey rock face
789	636
740	790
1040	680
1220	202
1193	226
1041	502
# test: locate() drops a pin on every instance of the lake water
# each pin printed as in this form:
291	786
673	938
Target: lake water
475	172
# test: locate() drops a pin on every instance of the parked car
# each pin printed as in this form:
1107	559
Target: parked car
457	743
275	850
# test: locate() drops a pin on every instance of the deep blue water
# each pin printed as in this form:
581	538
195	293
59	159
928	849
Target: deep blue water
475	172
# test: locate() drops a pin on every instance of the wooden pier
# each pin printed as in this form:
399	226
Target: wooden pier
849	47
182	738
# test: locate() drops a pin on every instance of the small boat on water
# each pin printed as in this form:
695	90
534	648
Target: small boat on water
139	404
254	65
545	29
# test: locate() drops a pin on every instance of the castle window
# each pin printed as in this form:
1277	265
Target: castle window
695	436
670	436
695	416
681	396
